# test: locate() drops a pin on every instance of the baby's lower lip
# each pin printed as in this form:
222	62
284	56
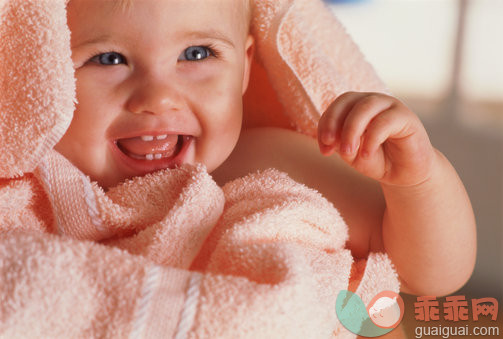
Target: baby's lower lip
141	164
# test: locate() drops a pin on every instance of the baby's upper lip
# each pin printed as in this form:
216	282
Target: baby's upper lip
153	129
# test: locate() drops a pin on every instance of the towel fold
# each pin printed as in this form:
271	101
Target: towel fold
305	59
37	87
270	262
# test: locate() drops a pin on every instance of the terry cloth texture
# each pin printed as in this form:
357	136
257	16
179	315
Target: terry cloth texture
262	256
172	254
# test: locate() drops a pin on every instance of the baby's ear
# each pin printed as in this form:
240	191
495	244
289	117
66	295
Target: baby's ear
249	51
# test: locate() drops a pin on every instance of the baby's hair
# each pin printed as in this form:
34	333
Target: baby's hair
125	4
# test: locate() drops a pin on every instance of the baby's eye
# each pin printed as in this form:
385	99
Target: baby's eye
195	53
109	59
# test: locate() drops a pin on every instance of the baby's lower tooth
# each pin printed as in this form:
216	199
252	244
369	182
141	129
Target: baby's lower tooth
158	156
149	157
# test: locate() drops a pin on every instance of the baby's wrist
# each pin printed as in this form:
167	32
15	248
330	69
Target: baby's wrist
430	180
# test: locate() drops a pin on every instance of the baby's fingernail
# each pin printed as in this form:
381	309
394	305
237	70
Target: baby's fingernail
327	138
345	148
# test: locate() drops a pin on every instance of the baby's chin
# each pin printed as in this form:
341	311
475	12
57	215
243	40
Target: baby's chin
106	182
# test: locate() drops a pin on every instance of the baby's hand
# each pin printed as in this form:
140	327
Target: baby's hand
378	136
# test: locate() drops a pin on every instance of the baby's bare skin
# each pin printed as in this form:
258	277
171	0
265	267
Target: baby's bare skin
159	83
396	192
414	207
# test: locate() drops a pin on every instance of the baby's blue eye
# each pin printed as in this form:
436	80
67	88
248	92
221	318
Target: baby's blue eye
109	59
195	53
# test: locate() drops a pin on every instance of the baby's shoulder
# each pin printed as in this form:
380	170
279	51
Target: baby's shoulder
266	147
291	152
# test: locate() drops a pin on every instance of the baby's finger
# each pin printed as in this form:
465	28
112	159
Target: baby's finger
332	118
326	134
358	118
388	124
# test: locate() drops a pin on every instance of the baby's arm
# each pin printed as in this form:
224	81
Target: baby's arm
428	227
436	216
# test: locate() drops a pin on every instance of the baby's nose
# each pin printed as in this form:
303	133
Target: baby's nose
155	97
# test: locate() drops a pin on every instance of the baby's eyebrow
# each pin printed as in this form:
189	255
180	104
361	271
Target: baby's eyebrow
95	40
202	34
209	34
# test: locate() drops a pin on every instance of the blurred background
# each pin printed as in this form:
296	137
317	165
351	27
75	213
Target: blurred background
444	59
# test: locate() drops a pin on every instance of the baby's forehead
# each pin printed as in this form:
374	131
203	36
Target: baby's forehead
158	18
240	10
244	6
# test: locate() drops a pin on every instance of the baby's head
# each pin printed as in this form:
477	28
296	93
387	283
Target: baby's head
159	83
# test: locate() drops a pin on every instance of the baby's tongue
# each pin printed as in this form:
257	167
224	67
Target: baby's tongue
137	146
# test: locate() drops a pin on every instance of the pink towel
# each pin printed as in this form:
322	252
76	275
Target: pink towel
172	254
261	257
37	88
305	59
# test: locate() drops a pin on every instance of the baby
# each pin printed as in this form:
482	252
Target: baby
150	252
160	83
162	88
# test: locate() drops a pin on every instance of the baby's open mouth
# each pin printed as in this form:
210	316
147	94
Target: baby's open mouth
149	147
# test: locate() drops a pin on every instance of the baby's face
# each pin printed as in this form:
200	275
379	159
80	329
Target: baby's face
159	83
